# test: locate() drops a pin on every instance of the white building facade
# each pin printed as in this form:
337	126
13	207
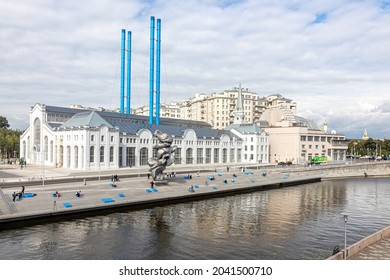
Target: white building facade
100	140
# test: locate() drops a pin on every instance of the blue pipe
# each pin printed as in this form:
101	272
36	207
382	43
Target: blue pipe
158	51
122	99
151	74
128	71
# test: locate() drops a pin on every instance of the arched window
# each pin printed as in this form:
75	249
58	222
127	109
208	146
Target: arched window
24	150
46	148
143	156
68	155
92	154
60	160
189	156
37	132
28	148
82	157
76	157
101	153
111	154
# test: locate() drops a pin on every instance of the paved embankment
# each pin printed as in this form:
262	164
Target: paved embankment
11	176
133	193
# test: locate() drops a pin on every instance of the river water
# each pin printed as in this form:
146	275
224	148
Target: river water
300	222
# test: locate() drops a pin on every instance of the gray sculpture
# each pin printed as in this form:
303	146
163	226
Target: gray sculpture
165	155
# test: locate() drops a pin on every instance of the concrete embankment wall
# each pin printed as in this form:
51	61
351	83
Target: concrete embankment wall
373	169
355	248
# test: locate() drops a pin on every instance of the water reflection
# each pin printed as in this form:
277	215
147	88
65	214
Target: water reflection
302	222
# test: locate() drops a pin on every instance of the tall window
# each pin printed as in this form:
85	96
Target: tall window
101	153
216	155
189	156
178	156
239	151
120	157
130	156
92	154
199	155
224	155
143	156
76	156
111	154
37	132
68	156
208	155
231	155
46	148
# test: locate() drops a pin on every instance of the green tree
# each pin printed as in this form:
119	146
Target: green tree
9	143
369	147
4	122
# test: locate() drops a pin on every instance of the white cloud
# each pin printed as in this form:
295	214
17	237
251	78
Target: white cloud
66	52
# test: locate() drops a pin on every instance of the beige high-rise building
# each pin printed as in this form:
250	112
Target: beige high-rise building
195	108
166	111
217	108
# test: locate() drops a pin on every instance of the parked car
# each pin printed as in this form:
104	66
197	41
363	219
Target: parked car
282	163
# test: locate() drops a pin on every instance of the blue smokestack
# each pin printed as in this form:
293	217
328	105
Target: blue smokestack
158	51
128	71
122	100
151	74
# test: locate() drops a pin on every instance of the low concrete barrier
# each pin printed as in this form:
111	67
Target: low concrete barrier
358	246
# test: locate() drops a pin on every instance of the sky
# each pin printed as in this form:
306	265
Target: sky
332	57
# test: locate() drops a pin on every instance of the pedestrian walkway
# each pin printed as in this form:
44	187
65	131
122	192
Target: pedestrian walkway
135	192
38	174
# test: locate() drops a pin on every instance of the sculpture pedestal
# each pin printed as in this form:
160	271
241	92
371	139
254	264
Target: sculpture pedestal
161	182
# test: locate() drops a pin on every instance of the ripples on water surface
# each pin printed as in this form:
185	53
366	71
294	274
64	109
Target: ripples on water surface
301	222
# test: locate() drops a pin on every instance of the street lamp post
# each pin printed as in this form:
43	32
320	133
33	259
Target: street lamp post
345	236
43	168
99	151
